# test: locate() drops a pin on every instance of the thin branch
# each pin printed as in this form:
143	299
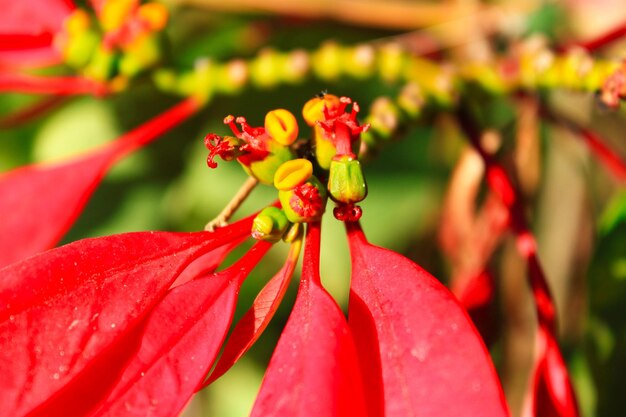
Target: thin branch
232	206
613	162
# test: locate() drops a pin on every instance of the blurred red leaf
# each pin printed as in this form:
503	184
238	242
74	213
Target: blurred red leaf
27	29
253	323
314	369
66	315
40	203
415	340
62	86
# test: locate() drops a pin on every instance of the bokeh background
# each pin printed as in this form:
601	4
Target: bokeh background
578	210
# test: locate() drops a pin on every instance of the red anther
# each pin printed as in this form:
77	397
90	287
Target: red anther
230	121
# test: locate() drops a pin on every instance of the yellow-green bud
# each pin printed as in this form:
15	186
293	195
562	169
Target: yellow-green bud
270	224
346	183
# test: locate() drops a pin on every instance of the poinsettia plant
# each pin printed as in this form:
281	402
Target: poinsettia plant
147	322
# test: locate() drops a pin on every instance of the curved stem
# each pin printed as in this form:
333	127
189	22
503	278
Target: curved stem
232	206
500	182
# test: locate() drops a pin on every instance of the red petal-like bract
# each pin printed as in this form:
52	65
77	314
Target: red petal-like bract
39	203
179	343
253	323
27	30
67	315
314	370
419	352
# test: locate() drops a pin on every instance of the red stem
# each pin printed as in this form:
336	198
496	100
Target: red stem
311	259
600	41
502	185
608	157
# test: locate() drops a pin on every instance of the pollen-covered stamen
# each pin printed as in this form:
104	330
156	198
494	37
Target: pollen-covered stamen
253	139
306	200
343	128
225	147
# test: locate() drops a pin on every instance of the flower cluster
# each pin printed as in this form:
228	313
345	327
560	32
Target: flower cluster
106	46
133	324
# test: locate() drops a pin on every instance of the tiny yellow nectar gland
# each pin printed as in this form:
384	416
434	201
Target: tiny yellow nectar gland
292	173
155	15
313	110
115	12
282	126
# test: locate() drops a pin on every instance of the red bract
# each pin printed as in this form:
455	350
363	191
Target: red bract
314	370
39	203
27	31
173	360
70	316
253	323
418	350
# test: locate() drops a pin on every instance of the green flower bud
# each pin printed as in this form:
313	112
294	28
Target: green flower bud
327	61
265	69
391	62
346	183
270	224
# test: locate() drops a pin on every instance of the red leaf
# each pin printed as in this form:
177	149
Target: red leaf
207	263
39	204
179	344
253	323
66	314
552	394
314	370
418	350
30	25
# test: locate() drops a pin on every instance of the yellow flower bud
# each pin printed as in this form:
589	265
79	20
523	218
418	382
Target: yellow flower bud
77	22
115	12
292	173
282	126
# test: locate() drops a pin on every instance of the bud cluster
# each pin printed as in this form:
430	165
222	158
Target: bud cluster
304	181
120	41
